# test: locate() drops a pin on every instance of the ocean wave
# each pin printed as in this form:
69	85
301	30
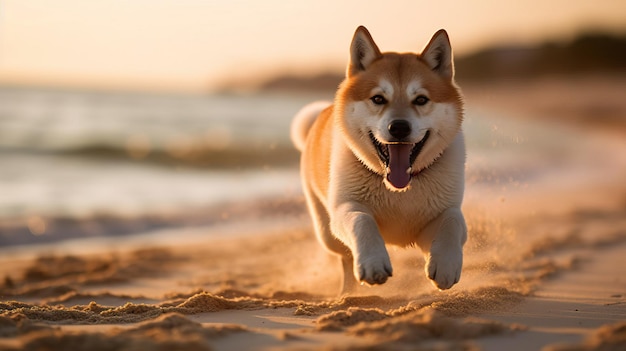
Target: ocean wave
183	153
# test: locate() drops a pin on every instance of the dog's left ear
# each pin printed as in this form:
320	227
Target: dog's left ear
438	55
363	51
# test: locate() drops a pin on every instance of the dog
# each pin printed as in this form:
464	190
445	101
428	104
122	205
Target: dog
384	163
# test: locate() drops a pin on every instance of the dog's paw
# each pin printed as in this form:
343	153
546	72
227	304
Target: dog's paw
443	266
373	269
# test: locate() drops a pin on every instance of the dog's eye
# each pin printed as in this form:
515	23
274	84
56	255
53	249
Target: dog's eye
421	100
378	100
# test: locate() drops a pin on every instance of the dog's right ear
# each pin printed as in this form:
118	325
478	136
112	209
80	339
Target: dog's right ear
363	51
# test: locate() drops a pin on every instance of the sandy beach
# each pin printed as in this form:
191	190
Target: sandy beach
543	270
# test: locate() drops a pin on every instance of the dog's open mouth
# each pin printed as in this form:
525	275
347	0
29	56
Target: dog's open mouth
398	159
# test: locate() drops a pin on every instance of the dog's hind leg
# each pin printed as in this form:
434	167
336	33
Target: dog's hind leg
321	224
349	285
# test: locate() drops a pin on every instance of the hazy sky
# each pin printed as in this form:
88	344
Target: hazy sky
198	44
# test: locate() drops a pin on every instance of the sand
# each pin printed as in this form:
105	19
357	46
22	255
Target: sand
277	290
522	289
543	271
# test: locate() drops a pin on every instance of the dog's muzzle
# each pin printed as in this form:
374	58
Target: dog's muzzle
398	159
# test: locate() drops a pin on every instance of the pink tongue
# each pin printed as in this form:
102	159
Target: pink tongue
399	162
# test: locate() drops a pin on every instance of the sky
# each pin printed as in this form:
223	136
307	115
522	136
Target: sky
199	45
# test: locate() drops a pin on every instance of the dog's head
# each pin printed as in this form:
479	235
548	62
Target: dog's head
399	112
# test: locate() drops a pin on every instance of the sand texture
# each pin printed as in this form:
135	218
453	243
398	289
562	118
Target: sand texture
555	280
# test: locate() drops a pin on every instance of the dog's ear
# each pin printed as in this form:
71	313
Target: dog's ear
438	55
363	51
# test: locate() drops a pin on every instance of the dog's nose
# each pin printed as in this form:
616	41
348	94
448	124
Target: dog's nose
399	129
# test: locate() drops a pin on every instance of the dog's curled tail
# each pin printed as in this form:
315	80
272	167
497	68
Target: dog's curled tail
303	121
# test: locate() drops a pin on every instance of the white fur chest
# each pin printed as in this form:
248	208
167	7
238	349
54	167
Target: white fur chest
401	216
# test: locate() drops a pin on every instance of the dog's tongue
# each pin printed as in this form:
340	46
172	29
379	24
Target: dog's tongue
399	163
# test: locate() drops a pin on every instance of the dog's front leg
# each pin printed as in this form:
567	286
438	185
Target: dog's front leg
442	243
355	226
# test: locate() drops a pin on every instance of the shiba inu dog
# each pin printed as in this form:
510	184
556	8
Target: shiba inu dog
384	163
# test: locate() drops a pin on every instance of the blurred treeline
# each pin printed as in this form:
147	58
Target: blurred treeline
587	53
590	53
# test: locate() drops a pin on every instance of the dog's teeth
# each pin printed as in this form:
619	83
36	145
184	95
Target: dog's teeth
409	170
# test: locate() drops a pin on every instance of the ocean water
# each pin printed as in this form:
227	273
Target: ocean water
51	143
